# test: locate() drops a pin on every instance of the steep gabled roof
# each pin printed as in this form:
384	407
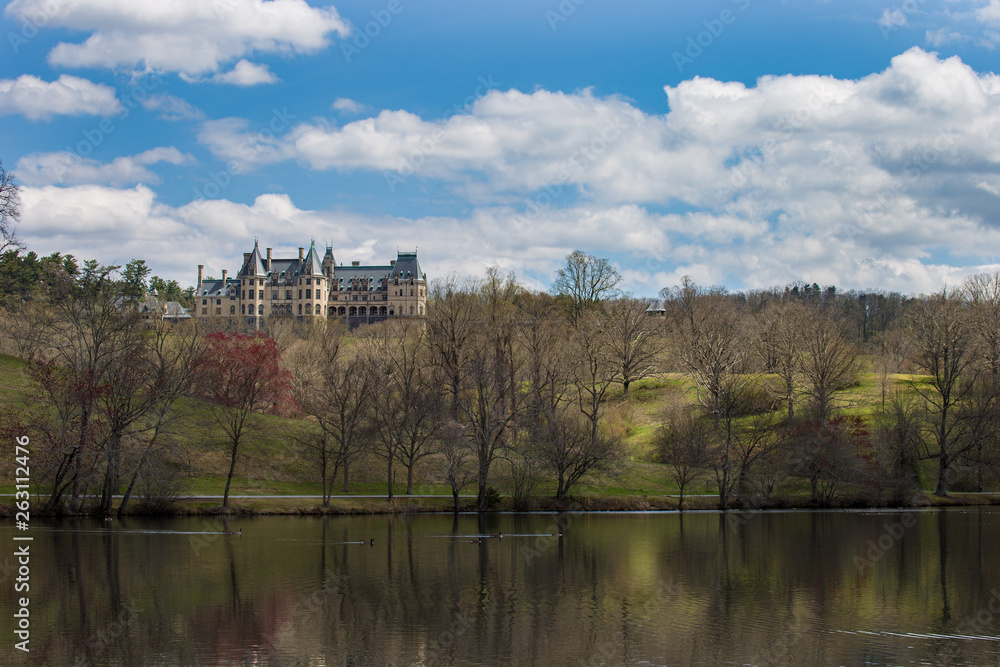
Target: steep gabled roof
312	265
255	264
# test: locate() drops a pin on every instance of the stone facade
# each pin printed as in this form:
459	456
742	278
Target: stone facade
309	286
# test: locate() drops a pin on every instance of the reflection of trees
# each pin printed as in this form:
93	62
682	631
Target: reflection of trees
750	587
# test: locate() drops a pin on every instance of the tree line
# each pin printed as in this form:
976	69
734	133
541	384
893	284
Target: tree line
501	386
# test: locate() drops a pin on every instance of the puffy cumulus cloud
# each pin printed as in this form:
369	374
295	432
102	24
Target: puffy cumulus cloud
65	168
246	74
68	95
653	250
721	145
193	37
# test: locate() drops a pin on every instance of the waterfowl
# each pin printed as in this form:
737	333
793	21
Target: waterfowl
234	532
497	535
371	542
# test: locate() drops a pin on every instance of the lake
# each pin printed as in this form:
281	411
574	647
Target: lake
917	587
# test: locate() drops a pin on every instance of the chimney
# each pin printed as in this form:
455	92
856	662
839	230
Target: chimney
224	272
302	254
201	274
392	262
268	267
356	262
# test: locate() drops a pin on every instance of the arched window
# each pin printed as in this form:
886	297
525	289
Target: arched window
411	310
342	311
391	312
362	311
260	309
243	309
353	311
319	309
381	311
300	309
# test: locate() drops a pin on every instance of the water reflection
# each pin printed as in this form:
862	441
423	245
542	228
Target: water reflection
700	588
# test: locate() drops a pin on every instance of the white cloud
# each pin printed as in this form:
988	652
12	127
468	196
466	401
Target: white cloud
194	37
245	73
67	95
65	168
888	181
882	180
989	14
347	105
171	107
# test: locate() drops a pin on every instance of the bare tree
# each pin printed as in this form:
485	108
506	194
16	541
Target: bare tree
593	367
451	324
240	375
776	339
707	335
10	210
569	446
829	361
682	441
634	340
584	282
459	454
490	400
338	390
943	340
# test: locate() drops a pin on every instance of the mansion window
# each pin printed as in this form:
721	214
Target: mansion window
300	296
288	294
274	294
232	310
260	294
218	302
308	292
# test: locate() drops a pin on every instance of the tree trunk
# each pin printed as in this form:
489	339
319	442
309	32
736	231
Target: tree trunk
409	479
483	478
389	478
942	483
229	477
454	497
347	477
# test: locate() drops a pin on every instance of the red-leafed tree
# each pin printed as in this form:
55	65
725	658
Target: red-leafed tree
240	374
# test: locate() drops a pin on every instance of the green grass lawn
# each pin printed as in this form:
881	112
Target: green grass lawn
273	461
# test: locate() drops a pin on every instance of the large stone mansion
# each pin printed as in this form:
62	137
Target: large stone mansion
308	286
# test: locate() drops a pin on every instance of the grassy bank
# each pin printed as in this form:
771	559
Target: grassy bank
274	461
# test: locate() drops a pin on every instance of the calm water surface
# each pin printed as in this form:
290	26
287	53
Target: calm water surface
706	588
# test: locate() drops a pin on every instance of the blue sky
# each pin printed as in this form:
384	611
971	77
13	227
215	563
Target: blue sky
742	142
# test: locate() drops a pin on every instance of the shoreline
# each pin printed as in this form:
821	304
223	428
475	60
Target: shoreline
371	505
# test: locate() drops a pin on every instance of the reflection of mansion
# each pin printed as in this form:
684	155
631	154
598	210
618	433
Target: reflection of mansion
308	286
